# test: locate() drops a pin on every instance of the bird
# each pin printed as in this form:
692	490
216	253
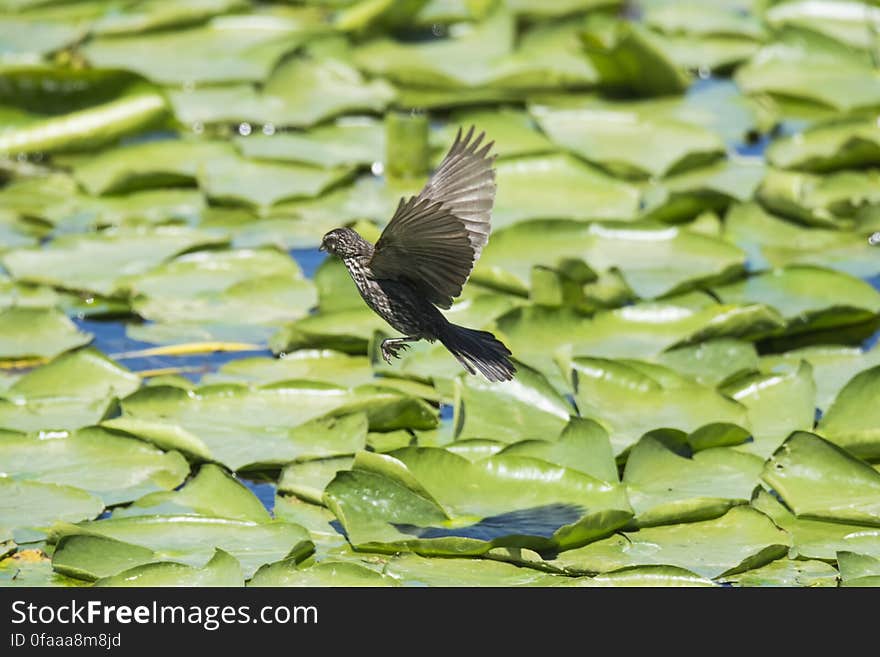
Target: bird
425	255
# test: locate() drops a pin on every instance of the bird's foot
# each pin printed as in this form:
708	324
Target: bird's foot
391	349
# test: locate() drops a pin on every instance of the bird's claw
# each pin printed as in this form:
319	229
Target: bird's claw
390	350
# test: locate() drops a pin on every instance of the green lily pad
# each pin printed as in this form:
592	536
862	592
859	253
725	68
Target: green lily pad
82	262
285	421
346	143
37	333
851	420
318	520
91	557
167	162
858	569
348	331
262	184
817	479
810	298
631	398
654	259
713	361
28	41
665	488
728	17
514	133
414	570
583	445
222	570
740	540
559	186
193	540
631	58
643	330
630	140
841	144
308	479
810	71
787	572
241	288
155	14
112	466
16	232
212	492
851	23
226	49
31	568
28	508
776	404
325	573
526	407
307	365
817	539
641	576
556	8
840	200
772	242
74	390
420	499
702	53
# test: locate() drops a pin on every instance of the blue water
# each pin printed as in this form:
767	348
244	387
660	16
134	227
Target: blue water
264	490
308	260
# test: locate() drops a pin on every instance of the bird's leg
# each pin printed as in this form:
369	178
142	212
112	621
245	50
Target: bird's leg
390	346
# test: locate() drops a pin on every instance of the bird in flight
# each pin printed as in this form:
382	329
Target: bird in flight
424	256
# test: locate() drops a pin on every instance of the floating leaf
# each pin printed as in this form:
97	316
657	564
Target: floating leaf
558	186
222	570
192	540
666	488
653	259
325	573
819	480
37	333
74	390
308	479
787	572
155	14
713	361
526	407
285	421
82	262
414	570
90	557
740	540
851	421
559	507
858	569
852	23
112	466
27	508
513	132
631	398
212	492
28	41
840	144
31	568
308	365
765	396
642	576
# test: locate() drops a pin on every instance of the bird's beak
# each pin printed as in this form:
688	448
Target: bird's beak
322	247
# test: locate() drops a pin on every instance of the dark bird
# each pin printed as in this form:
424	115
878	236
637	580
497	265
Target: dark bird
425	255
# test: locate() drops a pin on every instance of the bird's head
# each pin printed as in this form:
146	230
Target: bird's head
345	243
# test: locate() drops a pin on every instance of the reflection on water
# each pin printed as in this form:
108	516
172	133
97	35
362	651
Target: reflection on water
540	521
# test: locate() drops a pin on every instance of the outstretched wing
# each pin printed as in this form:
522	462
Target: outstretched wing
434	239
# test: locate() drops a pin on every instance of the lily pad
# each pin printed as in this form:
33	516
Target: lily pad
810	298
212	492
526	407
559	186
776	404
415	570
851	420
28	41
630	140
31	568
654	259
665	488
155	14
852	23
740	540
112	466
74	390
285	421
193	541
308	479
788	572
513	132
858	569
631	398
818	539
82	262
427	505
713	361
226	49
37	333
222	570
817	479
325	573
307	365
90	557
28	508
346	143
840	144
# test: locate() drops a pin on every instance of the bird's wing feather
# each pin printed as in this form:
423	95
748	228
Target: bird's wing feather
434	239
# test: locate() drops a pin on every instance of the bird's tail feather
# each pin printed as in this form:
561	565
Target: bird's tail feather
478	351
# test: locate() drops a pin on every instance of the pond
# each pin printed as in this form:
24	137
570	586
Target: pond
679	263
